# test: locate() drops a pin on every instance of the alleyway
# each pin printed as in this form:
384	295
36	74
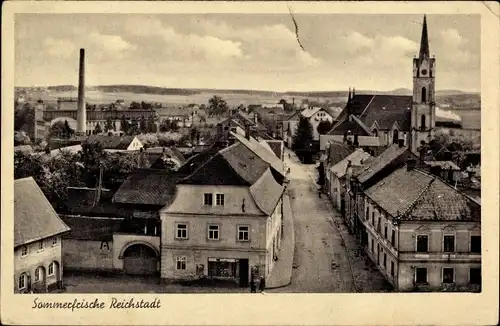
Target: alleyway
321	262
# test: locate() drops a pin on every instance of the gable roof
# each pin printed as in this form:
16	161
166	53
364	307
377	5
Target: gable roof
147	187
262	152
309	112
357	106
92	228
445	165
34	216
388	109
355	158
354	126
416	195
245	162
276	147
110	142
336	152
266	192
380	162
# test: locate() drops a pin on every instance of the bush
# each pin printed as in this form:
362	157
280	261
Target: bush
148	140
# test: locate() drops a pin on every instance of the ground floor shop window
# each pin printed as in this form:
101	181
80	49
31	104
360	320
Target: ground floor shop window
222	268
475	275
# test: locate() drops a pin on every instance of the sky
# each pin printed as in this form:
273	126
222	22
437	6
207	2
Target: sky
245	51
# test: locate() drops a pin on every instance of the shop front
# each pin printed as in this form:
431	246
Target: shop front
229	269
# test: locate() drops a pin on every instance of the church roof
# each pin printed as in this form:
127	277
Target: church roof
386	110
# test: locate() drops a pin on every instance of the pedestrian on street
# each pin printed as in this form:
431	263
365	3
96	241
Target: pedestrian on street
253	286
262	284
319	193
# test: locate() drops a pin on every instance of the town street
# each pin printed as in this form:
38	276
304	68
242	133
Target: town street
321	261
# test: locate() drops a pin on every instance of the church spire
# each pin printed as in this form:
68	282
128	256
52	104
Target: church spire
424	42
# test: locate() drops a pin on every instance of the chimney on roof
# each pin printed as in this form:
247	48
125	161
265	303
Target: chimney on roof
247	132
410	164
401	142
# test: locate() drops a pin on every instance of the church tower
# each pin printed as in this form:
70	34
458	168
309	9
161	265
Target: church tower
423	111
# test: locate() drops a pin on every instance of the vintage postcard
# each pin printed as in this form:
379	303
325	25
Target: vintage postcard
250	163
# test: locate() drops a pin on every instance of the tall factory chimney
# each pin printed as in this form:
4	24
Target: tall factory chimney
81	124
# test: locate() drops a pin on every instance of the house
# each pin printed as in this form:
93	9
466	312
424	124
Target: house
423	235
387	119
73	149
446	170
163	157
226	220
335	152
37	240
115	143
338	174
315	115
366	176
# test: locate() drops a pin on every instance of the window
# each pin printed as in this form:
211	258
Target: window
395	136
23	278
182	231
213	232
422	243
207	199
422	122
38	274
424	95
219	199
51	269
385	231
449	243
373	247
373	218
475	244
54	241
243	233
385	260
421	275
448	275
367	213
180	263
393	238
24	251
40	245
392	268
475	275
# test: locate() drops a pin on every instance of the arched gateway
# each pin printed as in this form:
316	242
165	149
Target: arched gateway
140	259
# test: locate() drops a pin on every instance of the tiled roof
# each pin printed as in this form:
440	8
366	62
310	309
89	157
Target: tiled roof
74	149
355	158
445	165
245	162
388	109
147	187
156	156
23	148
336	152
266	192
416	195
347	125
388	156
80	201
216	171
358	105
110	142
309	112
34	217
263	153
176	112
194	162
277	147
92	228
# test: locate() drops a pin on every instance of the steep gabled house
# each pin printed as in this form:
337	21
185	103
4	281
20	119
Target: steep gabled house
225	221
38	265
315	115
115	143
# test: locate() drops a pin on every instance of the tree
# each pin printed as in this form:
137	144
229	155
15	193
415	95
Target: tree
24	117
124	126
109	125
61	130
194	135
98	128
324	127
217	106
303	137
135	106
151	126
321	175
142	125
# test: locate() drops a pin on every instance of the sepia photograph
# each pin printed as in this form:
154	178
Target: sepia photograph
254	153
